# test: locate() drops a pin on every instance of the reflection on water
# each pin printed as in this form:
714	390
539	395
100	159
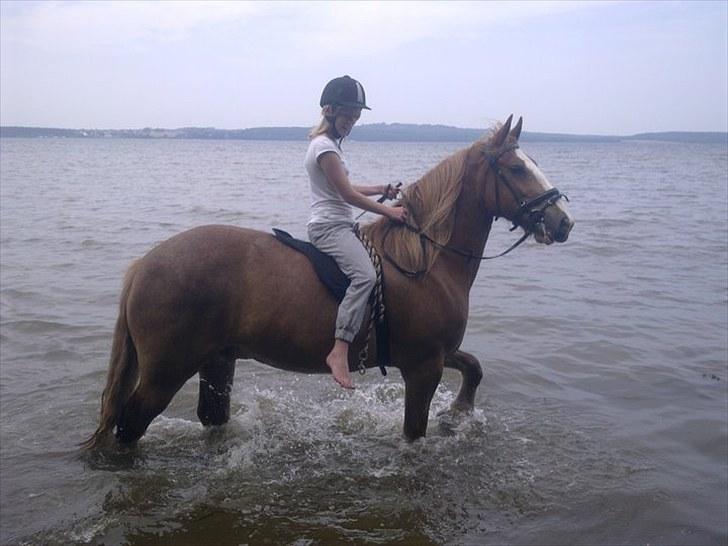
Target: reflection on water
601	418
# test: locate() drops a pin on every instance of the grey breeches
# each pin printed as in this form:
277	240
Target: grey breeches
339	241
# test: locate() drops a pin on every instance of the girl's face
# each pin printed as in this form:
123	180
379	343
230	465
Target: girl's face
345	119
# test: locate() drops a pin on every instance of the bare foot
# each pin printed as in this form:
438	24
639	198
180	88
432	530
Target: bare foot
338	361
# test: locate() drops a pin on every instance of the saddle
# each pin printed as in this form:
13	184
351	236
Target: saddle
336	282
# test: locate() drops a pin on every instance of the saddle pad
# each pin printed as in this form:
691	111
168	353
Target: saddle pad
324	265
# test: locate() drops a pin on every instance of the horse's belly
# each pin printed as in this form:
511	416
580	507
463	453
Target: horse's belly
286	350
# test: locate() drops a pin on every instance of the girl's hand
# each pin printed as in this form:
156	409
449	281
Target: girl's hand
390	192
398	214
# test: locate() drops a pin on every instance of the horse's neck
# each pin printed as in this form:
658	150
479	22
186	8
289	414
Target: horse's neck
470	233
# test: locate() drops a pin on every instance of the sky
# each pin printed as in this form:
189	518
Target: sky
567	67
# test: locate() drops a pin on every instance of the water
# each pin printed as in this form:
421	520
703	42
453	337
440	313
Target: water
601	418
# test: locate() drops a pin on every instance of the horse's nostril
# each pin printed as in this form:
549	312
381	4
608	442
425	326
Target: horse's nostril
564	228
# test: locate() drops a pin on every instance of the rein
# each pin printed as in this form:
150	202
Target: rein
424	237
534	207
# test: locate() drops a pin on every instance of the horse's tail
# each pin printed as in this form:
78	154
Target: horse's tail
123	370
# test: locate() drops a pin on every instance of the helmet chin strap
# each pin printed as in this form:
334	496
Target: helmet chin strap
332	121
334	131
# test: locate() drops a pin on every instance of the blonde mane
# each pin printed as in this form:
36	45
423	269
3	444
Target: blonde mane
431	201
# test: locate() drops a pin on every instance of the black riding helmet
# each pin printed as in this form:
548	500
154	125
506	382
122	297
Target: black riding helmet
344	91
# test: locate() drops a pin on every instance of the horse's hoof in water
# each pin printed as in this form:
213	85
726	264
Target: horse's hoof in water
459	410
447	424
450	419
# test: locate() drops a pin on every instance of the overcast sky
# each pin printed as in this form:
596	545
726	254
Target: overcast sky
574	67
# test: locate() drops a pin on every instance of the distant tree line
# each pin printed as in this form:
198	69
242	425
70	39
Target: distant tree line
383	132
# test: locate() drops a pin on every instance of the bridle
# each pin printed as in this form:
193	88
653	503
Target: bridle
529	215
532	209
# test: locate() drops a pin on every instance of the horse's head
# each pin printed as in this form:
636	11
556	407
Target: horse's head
514	187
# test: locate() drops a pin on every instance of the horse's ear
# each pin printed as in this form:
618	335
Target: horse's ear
516	131
502	134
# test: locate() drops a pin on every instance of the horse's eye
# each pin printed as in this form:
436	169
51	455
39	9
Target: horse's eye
518	170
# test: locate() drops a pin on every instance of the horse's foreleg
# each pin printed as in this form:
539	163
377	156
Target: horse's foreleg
216	382
420	384
472	374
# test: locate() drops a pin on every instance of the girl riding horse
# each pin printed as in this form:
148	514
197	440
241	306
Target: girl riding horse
331	227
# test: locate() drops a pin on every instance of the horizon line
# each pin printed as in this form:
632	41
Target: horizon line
301	127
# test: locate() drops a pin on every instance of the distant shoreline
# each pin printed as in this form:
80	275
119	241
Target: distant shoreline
377	132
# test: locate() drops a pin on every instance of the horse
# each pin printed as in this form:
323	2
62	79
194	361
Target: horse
207	297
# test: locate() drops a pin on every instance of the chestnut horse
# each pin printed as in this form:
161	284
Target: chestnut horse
214	294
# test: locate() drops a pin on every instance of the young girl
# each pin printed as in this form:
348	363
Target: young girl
331	226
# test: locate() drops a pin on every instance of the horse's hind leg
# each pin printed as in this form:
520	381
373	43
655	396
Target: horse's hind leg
472	374
216	382
150	398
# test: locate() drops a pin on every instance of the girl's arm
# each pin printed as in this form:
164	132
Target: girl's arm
335	173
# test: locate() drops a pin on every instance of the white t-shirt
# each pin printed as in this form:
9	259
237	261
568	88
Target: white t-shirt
326	203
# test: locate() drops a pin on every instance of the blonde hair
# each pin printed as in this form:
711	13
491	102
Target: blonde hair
324	125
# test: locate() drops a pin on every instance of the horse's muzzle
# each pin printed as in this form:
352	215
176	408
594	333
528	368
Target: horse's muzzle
562	232
556	224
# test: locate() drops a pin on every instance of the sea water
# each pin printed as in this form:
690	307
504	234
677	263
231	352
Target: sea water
601	418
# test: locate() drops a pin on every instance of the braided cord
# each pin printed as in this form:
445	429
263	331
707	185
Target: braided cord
376	299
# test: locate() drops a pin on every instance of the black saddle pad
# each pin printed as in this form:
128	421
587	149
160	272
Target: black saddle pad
324	265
